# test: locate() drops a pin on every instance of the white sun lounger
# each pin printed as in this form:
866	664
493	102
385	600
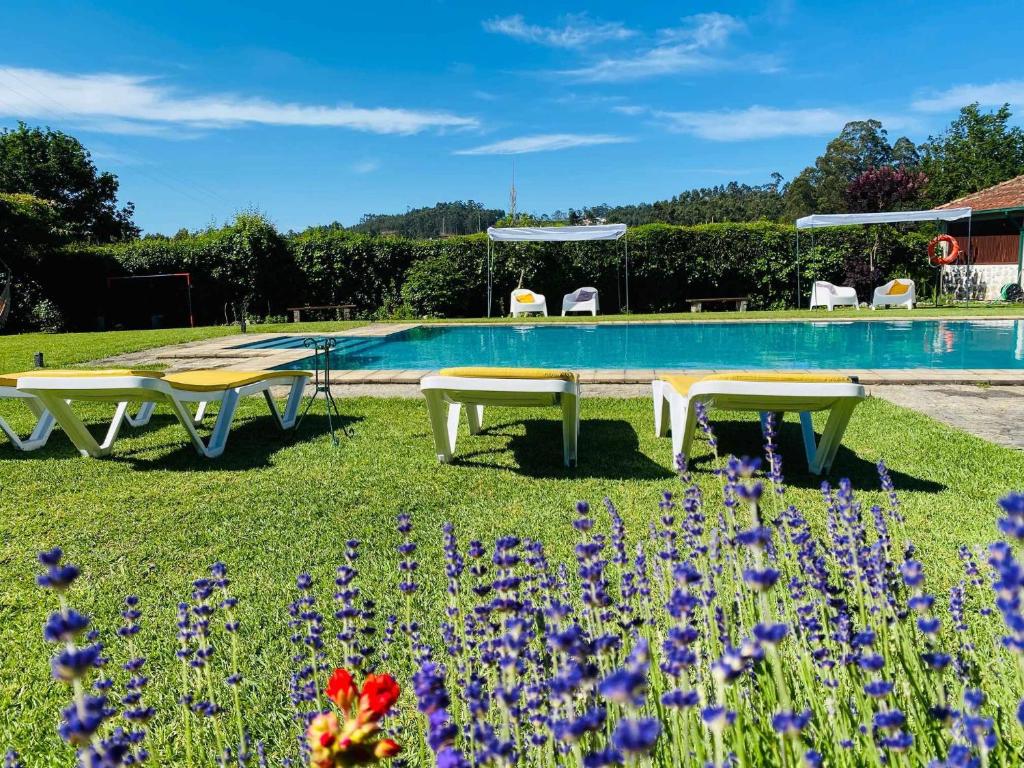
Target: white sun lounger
503	387
44	419
174	390
675	398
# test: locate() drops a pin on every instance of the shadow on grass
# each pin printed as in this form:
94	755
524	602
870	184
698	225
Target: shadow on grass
607	449
744	438
251	444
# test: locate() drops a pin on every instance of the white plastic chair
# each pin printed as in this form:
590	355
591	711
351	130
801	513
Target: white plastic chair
538	304
581	300
883	297
825	294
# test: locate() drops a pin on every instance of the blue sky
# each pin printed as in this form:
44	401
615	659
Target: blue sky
316	112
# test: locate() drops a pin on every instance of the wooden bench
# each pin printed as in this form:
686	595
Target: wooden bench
740	302
346	311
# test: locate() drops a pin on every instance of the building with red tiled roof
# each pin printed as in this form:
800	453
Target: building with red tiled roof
996	236
1004	196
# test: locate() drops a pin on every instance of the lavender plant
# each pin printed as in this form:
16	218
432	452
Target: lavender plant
729	634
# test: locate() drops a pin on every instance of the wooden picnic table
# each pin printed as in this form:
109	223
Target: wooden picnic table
346	310
739	301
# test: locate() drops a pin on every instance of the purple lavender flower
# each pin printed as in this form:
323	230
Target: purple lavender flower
636	736
790	724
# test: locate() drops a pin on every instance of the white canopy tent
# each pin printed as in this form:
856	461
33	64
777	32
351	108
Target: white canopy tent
552	235
816	220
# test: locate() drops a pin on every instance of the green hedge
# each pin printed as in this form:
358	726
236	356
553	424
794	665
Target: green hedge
248	263
668	264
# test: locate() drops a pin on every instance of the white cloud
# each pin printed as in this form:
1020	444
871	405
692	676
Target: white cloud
988	95
764	122
704	30
629	109
576	31
543	143
696	45
365	166
132	103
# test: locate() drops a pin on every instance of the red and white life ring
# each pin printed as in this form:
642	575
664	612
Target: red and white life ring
950	256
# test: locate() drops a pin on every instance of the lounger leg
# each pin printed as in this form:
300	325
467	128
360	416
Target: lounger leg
661	409
810	442
142	418
444	439
832	437
570	428
291	409
40	432
200	412
73	427
222	427
684	423
475	417
120	416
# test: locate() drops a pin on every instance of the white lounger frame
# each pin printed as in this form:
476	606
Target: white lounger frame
678	412
45	422
475	393
57	394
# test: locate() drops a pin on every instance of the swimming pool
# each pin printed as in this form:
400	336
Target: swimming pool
962	344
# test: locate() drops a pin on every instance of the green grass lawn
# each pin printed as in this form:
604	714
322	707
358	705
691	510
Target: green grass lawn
151	518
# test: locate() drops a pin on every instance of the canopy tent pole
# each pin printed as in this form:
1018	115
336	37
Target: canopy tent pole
969	287
799	298
626	246
5	294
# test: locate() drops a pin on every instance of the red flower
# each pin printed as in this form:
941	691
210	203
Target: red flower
341	690
379	694
386	748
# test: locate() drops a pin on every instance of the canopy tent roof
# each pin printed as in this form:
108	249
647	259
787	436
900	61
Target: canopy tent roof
556	234
838	219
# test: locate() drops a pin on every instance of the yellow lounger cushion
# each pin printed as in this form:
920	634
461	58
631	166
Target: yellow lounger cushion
218	380
11	379
481	372
682	384
897	288
525	297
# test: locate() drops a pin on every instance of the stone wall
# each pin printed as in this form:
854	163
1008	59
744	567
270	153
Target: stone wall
985	279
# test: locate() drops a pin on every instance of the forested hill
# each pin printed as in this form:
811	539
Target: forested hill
457	218
725	202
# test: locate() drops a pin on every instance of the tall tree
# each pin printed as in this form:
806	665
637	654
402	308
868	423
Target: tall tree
977	150
861	145
884	189
54	166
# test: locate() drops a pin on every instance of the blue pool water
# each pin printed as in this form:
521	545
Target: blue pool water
722	345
